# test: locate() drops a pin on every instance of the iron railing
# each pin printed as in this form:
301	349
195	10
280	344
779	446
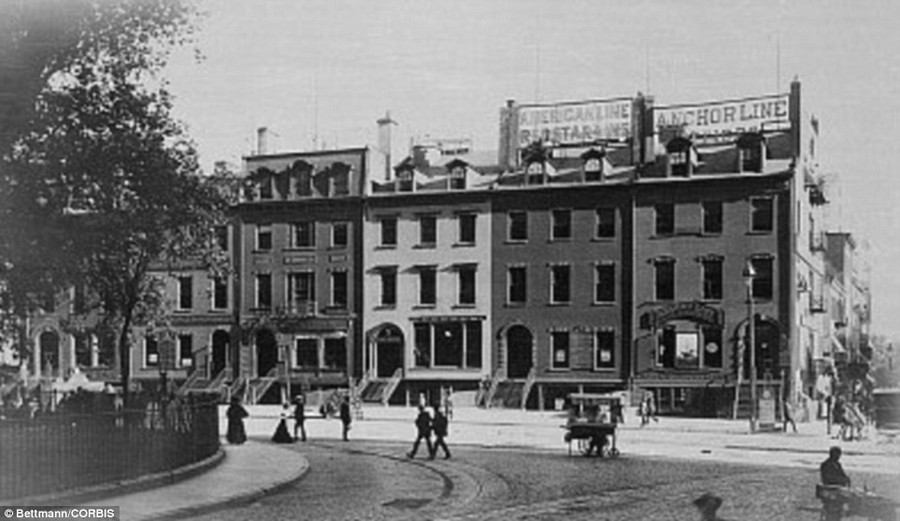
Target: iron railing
61	452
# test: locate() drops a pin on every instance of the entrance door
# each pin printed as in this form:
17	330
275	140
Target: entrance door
266	352
388	352
49	341
220	342
518	352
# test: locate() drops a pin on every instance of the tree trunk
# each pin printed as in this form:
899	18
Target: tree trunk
125	357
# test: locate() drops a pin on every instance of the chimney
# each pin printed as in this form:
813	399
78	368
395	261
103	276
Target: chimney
384	142
262	141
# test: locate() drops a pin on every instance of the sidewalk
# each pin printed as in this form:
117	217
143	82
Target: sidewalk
257	468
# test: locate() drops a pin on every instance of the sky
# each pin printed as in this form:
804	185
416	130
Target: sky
319	74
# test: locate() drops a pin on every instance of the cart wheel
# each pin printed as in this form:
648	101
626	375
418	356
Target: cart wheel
584	446
614	452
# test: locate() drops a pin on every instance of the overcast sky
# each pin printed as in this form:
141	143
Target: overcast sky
319	73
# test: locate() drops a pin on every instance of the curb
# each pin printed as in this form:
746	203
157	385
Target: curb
236	500
115	489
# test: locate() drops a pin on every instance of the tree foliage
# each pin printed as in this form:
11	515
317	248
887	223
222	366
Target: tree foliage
105	186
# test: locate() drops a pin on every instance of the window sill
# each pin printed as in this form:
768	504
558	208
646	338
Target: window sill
183	311
463	244
604	239
258	251
605	369
710	234
516	304
514	242
425	246
465	306
386	247
559	370
300	248
560	239
385	307
760	232
425	306
605	304
559	304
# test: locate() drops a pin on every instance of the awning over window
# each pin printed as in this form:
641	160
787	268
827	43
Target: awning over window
448	318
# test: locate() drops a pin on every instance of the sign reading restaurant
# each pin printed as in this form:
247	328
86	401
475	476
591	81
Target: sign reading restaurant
575	123
721	120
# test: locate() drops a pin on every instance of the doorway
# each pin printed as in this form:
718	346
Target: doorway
266	352
388	351
49	342
220	343
519	359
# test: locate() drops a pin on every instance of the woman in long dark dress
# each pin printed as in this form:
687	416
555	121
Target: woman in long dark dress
236	413
282	435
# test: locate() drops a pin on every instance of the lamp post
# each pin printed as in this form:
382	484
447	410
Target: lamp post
749	276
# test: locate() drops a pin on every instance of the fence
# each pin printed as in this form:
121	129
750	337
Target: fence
54	453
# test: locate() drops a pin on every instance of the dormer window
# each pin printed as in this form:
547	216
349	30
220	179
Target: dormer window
593	165
302	173
535	157
265	184
405	180
535	173
751	152
681	157
457	170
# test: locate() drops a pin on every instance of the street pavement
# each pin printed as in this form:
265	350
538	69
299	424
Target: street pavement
260	467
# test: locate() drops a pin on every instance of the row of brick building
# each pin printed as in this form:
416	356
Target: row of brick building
605	248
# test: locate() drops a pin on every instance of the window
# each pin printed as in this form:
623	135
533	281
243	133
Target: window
340	180
427	230
264	237
687	350
467	228
340	232
535	173
560	284
336	353
518	226
751	157
517	292
106	352
151	351
665	218
559	341
712	278
712	347
593	169
712	217
83	349
304	234
606	223
761	214
264	290
678	162
665	354
562	224
389	231
220	293
301	292
427	285
307	353
605	282
265	186
405	181
389	287
185	293
466	285
221	233
79	299
665	279
605	349
185	350
763	282
458	178
339	289
447	344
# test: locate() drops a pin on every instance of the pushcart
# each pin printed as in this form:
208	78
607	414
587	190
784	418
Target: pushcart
592	424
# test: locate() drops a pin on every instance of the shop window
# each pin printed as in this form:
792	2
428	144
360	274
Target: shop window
455	344
561	225
664	279
762	214
559	342
304	234
605	349
427	230
339	289
763	282
473	344
264	291
712	278
517	285
518	226
422	335
185	293
665	219
687	350
427	285
605	282
264	237
307	353
185	351
467	228
560	284
448	344
712	217
340	234
606	223
388	232
665	355
336	353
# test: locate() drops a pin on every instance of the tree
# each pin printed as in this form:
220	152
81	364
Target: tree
106	182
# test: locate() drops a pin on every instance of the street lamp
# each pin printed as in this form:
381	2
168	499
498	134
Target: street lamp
749	275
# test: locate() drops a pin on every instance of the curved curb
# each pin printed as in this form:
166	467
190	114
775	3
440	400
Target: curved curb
129	486
237	500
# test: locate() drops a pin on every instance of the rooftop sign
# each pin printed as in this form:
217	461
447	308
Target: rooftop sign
575	123
720	120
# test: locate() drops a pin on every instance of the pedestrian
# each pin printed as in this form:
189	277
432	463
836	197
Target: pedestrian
834	480
440	426
708	506
789	415
300	416
423	432
281	432
236	413
651	406
346	417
